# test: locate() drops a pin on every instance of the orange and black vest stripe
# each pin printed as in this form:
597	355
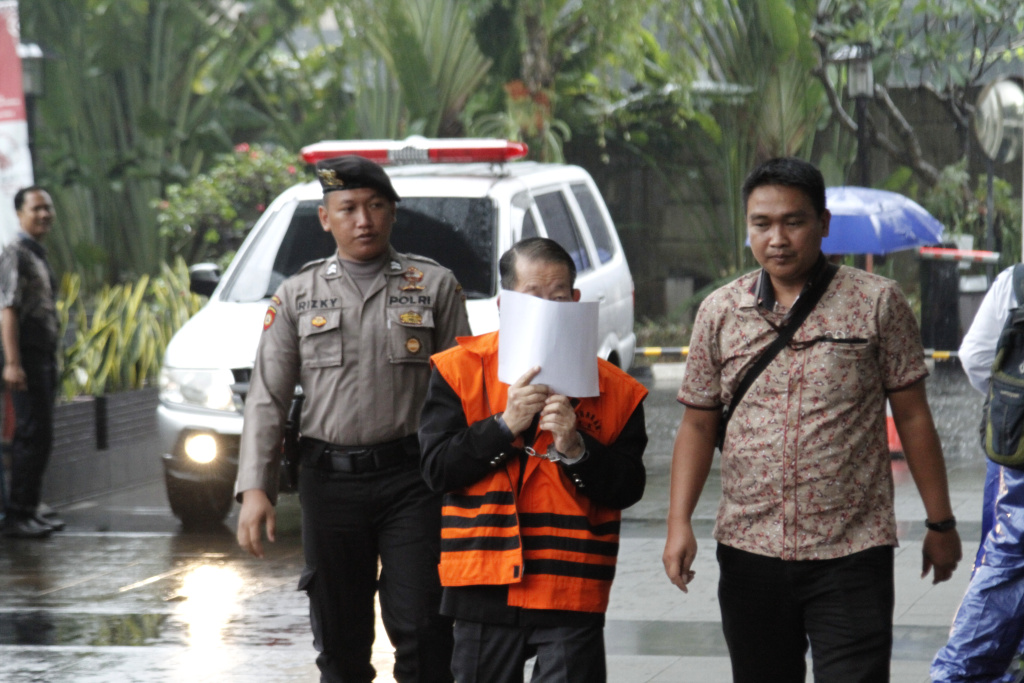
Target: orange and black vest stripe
530	528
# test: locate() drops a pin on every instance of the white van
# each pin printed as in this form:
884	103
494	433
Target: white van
463	215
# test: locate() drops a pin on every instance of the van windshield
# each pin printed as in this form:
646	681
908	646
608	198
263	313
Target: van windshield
457	232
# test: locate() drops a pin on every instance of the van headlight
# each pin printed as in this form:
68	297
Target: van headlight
210	389
201	448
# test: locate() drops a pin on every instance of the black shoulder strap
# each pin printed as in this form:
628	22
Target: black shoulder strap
801	309
1014	318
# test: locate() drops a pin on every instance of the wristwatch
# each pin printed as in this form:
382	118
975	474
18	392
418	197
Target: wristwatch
944	525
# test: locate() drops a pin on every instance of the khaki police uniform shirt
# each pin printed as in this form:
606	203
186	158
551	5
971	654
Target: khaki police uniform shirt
363	362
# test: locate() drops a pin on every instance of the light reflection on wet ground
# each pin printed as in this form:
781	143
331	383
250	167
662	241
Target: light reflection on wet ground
124	595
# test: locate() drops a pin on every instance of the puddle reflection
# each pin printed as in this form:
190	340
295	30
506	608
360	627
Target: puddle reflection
209	597
209	601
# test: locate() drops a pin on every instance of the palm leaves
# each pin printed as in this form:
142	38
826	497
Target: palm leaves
432	64
134	100
120	344
763	47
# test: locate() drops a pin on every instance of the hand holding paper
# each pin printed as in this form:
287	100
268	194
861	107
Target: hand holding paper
559	418
558	337
524	401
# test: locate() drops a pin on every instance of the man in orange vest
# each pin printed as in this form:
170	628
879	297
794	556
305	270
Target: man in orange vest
534	486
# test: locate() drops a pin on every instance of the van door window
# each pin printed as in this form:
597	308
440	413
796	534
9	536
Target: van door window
529	227
562	228
457	232
305	241
285	241
595	219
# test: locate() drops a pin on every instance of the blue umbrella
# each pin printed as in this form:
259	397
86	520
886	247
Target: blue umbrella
869	221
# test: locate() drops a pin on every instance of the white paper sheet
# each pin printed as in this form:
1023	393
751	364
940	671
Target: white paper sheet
560	337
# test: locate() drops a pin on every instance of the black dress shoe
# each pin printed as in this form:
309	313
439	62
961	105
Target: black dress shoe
26	527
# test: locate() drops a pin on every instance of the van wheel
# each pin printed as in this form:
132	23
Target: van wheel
198	504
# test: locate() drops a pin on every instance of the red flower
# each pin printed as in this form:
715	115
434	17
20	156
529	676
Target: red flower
517	90
243	147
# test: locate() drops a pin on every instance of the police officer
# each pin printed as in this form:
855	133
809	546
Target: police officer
28	319
356	331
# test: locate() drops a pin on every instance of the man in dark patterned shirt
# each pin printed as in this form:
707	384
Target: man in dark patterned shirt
28	329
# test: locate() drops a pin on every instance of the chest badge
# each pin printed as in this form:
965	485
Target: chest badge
411	318
413	345
413	277
318	321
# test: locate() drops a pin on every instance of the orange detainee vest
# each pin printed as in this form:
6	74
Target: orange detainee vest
552	546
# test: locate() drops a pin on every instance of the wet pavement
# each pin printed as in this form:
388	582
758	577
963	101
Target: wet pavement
123	594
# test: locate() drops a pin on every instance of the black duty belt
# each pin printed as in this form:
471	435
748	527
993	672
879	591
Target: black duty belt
331	457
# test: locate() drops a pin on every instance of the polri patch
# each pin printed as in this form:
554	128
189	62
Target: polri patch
268	319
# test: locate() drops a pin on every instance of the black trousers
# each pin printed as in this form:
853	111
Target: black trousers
348	522
33	433
497	653
771	608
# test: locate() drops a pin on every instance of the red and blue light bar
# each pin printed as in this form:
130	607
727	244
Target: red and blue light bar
419	150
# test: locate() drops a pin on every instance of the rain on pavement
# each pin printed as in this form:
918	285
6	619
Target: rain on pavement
123	594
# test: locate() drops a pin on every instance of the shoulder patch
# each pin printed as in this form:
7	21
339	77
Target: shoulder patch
311	264
422	259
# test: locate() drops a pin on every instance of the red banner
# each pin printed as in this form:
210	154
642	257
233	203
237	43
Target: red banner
15	160
12	102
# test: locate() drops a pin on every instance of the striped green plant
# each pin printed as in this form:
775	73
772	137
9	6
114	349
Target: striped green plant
117	340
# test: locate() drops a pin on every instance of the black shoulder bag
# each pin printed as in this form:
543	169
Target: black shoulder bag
801	309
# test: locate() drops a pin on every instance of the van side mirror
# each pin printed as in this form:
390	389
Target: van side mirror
203	278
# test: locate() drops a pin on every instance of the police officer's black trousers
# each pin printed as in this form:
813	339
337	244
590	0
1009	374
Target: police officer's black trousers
33	433
348	521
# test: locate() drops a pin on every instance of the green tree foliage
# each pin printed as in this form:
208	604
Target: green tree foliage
963	212
942	48
208	218
762	101
138	93
410	66
429	48
121	333
564	66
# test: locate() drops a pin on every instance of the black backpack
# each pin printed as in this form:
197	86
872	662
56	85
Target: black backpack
1003	415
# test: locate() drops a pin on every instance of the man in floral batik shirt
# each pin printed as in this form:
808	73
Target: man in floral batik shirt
805	526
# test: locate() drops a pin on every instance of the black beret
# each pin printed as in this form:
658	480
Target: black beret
351	172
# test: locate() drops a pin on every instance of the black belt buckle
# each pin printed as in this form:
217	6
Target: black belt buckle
351	462
368	459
